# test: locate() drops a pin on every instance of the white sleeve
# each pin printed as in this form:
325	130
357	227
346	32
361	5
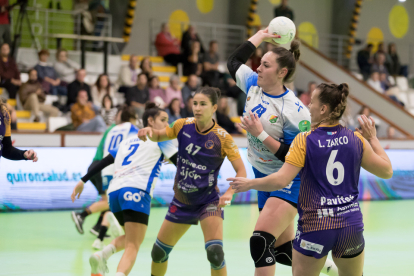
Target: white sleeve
167	148
245	78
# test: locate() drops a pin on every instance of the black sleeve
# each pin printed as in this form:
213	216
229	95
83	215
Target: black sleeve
282	151
10	152
239	57
108	160
173	159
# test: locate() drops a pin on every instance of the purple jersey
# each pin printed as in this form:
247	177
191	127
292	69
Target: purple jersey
199	159
331	160
5	129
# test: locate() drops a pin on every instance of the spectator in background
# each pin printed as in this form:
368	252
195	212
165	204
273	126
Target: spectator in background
223	118
13	115
174	110
284	10
305	97
187	111
364	60
146	67
108	111
138	95
380	50
233	91
188	38
167	46
174	91
375	82
385	84
211	74
5	34
192	62
367	112
9	74
128	74
76	86
33	97
65	67
391	133
380	83
256	58
190	87
379	65
83	116
48	76
394	65
156	91
101	88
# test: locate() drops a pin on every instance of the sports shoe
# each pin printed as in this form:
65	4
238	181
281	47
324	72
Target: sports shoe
114	227
98	244
98	264
78	220
95	231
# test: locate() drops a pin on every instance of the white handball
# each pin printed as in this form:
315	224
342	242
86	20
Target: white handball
284	27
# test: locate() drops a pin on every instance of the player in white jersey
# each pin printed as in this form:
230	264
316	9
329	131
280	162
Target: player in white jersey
137	166
273	116
125	119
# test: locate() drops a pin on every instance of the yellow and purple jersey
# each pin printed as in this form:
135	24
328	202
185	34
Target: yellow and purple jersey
330	158
200	156
5	128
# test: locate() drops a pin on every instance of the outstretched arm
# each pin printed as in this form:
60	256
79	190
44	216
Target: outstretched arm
240	169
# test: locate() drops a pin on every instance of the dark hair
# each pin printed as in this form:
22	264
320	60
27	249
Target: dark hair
142	63
103	101
140	74
288	58
370	45
362	109
334	96
212	42
211	92
127	113
60	51
170	105
153	77
43	52
98	83
4	110
390	46
151	110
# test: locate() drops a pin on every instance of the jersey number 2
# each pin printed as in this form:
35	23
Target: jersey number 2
134	148
331	166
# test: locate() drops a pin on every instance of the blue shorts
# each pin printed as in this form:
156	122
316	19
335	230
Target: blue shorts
130	199
290	193
106	179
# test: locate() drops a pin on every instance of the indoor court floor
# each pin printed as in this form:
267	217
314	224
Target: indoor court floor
47	243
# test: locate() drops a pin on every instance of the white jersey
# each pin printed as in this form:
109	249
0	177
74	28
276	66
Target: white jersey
138	163
113	139
282	117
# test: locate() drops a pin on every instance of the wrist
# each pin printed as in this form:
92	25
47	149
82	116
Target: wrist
262	136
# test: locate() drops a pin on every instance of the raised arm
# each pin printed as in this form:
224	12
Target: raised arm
153	134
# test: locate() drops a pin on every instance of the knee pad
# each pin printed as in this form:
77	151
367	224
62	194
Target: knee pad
160	252
261	249
283	253
215	254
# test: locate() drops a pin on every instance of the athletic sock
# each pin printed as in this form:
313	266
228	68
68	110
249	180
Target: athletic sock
108	251
86	212
330	268
119	274
102	232
100	218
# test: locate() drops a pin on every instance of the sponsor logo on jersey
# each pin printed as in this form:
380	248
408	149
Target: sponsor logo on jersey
311	246
248	98
1	137
173	209
332	133
265	161
209	144
297	237
186	134
222	132
211	208
304	126
273	119
128	196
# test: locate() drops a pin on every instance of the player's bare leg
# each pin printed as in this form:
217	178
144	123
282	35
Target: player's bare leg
351	266
169	234
100	205
309	266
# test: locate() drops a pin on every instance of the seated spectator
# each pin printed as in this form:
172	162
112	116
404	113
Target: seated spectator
108	111
146	67
48	76
156	91
256	59
190	87
393	65
381	85
83	115
367	112
347	120
233	91
379	65
188	38
33	97
305	97
391	133
174	110
174	91
211	74
192	63
223	118
364	60
101	88
65	67
76	86
128	74
375	82
9	74
385	83
138	95
167	46
380	50
13	115
187	111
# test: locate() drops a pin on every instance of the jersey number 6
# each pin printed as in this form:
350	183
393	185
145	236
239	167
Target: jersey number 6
134	148
331	166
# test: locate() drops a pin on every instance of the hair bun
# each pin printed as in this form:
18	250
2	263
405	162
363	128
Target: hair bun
294	49
344	88
150	105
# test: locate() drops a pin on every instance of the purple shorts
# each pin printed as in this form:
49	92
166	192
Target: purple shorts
345	242
191	214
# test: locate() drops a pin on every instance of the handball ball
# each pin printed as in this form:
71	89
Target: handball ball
284	27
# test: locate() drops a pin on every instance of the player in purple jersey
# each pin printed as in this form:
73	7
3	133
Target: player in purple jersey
202	147
329	159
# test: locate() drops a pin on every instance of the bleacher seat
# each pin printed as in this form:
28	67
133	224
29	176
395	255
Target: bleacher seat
56	122
402	83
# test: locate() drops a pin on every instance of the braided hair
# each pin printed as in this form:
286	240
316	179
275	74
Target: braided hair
335	97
